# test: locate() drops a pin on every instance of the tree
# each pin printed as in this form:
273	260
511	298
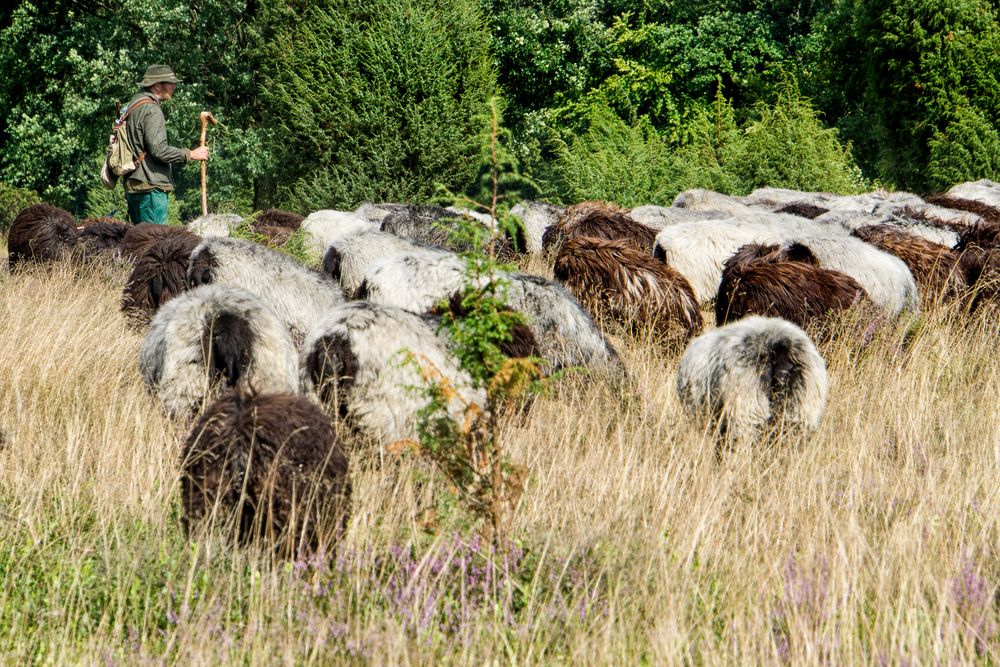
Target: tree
905	71
377	100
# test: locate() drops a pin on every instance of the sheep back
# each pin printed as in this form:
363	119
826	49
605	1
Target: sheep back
628	285
758	280
158	276
269	466
933	265
599	220
747	376
215	336
298	296
40	233
356	362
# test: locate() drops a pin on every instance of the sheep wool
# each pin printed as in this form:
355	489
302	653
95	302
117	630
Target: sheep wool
347	259
158	276
413	281
628	286
751	375
270	467
771	281
367	363
215	335
298	296
40	233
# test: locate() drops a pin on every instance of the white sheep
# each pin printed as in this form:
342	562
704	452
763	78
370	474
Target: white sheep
698	249
322	228
348	259
753	374
536	218
215	335
298	296
358	361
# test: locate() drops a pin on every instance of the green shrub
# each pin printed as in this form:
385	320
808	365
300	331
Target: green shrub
377	100
13	201
968	149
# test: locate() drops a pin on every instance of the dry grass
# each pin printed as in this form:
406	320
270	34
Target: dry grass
875	541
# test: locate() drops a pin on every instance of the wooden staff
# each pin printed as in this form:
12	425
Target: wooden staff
206	118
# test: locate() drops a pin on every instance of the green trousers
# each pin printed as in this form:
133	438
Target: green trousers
147	207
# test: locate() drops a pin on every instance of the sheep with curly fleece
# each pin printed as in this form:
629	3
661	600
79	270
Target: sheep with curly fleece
298	296
749	376
158	276
215	336
40	233
270	468
771	281
139	238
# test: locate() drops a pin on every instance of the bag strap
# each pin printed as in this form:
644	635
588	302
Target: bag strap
128	111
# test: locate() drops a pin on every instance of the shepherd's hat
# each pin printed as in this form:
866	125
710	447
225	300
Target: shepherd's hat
156	74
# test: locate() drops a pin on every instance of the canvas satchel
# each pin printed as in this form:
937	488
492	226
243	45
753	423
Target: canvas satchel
120	159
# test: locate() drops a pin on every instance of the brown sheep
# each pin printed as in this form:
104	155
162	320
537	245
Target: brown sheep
278	218
989	214
101	236
615	278
803	210
762	280
981	269
979	235
273	236
933	265
40	233
139	237
601	221
270	466
158	275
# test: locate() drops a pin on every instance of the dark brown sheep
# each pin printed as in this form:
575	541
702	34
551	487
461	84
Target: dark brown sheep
278	218
989	214
270	466
600	221
979	235
40	233
773	286
933	265
101	236
139	237
803	210
158	275
615	279
273	236
981	269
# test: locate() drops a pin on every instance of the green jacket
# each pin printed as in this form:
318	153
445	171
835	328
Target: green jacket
147	133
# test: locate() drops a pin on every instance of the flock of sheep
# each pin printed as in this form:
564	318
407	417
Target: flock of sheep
265	352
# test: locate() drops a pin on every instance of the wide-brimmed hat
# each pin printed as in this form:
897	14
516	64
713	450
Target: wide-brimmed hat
157	74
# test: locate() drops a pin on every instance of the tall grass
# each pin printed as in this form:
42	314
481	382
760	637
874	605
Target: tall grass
875	541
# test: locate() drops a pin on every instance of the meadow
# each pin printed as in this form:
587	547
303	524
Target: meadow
875	541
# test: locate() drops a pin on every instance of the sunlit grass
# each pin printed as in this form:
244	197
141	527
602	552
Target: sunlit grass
875	541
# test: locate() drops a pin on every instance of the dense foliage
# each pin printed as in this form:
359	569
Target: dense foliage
327	104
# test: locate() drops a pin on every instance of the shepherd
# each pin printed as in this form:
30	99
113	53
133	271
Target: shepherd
146	188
